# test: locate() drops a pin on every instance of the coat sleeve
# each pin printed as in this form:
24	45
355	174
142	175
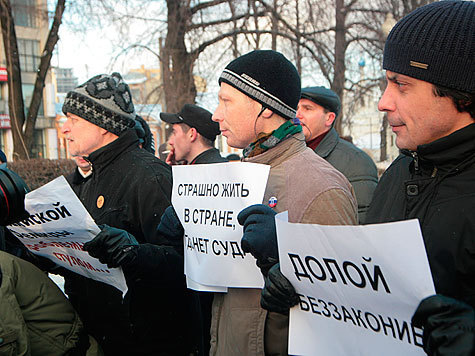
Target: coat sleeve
159	258
332	207
153	197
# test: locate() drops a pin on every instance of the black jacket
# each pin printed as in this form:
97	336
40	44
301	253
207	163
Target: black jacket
355	165
129	189
76	181
436	184
209	156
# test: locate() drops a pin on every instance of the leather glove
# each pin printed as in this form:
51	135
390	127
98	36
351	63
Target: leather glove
278	294
170	226
114	247
449	326
260	236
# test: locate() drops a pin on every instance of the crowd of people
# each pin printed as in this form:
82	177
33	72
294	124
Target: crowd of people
263	110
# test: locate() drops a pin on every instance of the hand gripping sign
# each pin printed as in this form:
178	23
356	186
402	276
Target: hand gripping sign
207	199
358	287
58	227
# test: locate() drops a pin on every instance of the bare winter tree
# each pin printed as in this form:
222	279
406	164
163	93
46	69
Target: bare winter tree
334	35
326	33
22	127
183	31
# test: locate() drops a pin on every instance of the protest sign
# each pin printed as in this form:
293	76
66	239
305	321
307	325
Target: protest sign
358	287
207	199
58	227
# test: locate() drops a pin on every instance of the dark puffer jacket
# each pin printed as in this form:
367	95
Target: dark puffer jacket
436	184
129	189
355	165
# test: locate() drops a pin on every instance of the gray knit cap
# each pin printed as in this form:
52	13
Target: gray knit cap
435	43
103	100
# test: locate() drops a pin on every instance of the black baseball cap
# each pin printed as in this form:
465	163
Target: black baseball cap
194	116
324	97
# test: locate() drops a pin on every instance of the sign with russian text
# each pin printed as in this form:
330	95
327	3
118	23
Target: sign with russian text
207	199
358	287
58	227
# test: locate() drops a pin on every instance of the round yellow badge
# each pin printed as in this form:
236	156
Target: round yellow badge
100	201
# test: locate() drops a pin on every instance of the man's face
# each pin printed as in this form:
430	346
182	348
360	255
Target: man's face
180	141
417	116
315	121
236	114
83	137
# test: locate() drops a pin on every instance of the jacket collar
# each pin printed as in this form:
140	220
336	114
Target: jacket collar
447	152
101	157
281	152
204	156
327	145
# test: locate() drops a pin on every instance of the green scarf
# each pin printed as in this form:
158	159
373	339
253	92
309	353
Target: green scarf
268	140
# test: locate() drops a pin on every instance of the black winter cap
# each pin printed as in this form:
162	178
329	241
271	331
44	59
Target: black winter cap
267	77
324	97
435	43
194	116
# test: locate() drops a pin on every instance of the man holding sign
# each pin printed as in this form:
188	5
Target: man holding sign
429	59
258	97
430	103
128	190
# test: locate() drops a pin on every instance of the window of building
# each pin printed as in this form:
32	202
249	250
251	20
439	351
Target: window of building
38	149
24	12
27	90
29	54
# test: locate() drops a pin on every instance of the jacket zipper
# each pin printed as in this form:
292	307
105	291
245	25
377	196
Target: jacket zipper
416	161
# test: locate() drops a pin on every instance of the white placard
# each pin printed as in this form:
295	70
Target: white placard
359	287
207	199
58	227
191	284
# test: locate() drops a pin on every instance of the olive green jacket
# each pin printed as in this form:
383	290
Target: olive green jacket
35	316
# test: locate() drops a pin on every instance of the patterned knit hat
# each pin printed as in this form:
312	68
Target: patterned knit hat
103	100
267	77
435	43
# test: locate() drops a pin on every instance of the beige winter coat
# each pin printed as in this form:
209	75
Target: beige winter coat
313	192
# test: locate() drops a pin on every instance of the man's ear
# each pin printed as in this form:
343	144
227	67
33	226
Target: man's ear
193	134
329	119
267	113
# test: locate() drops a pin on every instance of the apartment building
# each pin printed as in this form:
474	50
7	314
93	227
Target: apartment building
31	26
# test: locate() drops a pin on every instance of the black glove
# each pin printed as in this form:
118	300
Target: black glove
449	326
170	226
114	247
278	294
259	237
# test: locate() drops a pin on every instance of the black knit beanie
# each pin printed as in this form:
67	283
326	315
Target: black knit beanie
435	43
267	77
103	100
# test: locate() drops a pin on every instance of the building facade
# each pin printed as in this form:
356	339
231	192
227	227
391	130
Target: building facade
31	26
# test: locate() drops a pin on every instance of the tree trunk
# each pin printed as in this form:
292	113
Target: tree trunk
15	93
275	26
338	82
41	74
178	80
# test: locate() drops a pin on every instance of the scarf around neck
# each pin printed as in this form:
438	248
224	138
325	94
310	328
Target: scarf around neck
266	141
